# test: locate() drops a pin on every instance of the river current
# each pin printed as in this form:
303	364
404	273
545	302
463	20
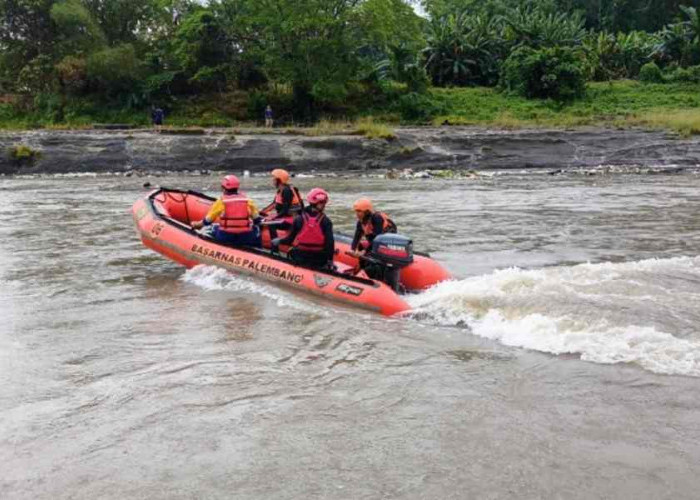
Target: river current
562	362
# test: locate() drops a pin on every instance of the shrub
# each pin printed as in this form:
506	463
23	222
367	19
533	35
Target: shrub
691	74
651	73
372	130
416	78
21	153
554	72
417	107
50	105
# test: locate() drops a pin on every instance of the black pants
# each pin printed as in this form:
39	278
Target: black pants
316	260
284	226
374	271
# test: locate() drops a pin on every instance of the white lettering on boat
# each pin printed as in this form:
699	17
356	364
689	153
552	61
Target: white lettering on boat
247	263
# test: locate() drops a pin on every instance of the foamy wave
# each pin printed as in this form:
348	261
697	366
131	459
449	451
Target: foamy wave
215	278
601	311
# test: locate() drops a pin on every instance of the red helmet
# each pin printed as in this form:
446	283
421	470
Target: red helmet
230	182
317	195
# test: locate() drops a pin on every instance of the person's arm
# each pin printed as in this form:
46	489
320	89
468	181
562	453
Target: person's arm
296	227
358	236
214	213
266	211
253	212
287	197
329	245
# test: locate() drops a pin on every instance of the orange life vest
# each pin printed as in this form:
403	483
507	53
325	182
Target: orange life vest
296	204
311	237
388	225
235	218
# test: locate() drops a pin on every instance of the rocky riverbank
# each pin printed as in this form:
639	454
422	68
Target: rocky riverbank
455	148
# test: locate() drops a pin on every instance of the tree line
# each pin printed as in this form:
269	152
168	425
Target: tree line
317	55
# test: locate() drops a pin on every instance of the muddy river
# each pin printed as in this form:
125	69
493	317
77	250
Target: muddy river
563	362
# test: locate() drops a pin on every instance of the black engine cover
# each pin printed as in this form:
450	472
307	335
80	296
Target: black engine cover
392	249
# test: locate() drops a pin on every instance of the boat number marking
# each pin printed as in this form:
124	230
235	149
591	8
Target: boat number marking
157	228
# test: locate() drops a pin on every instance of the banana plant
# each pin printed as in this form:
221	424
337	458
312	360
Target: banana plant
464	50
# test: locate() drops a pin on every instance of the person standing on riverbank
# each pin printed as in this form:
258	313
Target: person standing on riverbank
268	117
157	117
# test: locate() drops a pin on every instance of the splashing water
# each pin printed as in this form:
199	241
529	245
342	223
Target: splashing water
214	278
584	309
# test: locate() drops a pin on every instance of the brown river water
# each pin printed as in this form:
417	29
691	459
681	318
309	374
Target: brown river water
563	362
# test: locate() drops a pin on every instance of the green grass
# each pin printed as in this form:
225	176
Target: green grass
617	104
374	130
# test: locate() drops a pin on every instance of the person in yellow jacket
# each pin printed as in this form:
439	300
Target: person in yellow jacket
237	216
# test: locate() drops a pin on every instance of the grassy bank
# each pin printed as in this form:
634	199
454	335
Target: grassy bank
619	104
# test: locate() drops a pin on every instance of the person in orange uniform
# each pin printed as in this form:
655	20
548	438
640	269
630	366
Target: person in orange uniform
311	236
236	214
287	202
370	224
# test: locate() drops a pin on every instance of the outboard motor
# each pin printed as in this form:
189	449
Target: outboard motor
388	254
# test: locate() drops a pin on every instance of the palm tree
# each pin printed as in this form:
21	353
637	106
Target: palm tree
693	22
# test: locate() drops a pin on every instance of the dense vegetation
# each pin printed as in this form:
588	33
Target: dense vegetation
80	61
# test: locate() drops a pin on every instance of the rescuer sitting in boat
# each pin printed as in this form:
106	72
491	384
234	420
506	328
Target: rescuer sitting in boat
311	236
370	224
236	215
287	202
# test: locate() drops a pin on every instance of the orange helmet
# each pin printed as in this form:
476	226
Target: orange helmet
363	205
281	175
230	182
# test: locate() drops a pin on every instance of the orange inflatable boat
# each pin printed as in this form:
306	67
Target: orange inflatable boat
163	222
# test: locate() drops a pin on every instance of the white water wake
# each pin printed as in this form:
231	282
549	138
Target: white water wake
606	313
214	278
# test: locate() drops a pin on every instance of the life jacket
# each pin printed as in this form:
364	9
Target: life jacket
235	218
388	225
297	203
310	237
